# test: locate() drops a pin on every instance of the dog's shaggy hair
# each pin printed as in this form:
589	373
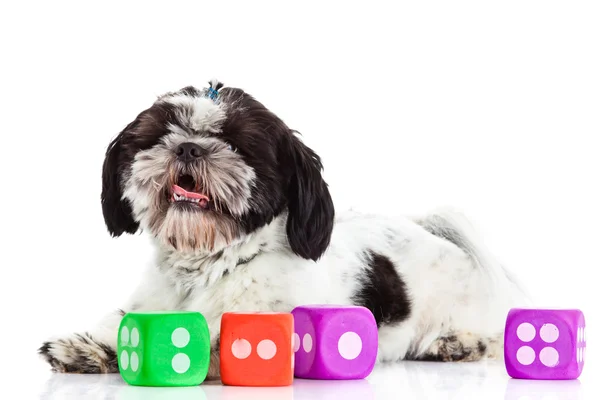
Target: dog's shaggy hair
243	221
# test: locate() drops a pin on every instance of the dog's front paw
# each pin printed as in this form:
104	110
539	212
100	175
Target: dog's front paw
80	353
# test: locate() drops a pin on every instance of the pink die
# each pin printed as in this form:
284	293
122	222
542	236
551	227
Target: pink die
544	344
334	342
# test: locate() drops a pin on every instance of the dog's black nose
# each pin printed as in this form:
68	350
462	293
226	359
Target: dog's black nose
188	151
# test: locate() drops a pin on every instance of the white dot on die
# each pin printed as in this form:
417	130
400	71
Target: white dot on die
526	332
579	355
135	337
350	345
180	363
124	359
525	355
549	356
307	343
266	349
135	361
549	333
124	335
296	342
241	348
180	337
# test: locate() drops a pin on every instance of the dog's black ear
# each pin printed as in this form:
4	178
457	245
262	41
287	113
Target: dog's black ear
118	215
310	207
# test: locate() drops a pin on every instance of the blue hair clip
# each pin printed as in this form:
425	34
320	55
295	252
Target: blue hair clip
212	94
213	89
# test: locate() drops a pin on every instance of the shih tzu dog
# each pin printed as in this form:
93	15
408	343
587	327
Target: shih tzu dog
242	220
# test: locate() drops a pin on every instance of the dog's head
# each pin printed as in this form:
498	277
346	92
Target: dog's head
203	168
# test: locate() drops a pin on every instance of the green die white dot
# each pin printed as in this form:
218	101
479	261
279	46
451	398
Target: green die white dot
180	363
124	359
135	361
135	337
180	337
124	336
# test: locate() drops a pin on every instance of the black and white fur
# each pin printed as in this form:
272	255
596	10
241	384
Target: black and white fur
268	239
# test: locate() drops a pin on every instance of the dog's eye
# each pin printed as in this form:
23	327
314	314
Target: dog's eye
231	147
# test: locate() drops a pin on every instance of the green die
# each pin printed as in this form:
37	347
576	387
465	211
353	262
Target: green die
163	348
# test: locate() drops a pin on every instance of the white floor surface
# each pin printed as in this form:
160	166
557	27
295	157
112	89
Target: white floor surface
402	381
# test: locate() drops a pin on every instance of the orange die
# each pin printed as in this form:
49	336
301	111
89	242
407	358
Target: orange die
256	349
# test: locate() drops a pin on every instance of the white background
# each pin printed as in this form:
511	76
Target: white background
492	108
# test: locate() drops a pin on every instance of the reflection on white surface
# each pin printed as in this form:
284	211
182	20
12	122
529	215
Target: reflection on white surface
253	393
521	389
401	381
305	389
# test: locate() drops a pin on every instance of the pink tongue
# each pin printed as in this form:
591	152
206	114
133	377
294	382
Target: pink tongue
190	195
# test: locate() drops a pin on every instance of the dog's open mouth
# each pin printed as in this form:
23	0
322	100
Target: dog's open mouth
186	190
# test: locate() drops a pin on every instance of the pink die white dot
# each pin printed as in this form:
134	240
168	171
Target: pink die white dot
526	332
549	333
549	357
295	342
525	355
241	349
350	345
307	343
266	349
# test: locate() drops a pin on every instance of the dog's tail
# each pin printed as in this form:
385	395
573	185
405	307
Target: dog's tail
454	227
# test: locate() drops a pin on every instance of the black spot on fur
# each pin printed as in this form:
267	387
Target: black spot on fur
141	134
383	291
288	174
481	347
246	260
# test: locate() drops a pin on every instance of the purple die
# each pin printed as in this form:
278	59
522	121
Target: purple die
334	342
544	344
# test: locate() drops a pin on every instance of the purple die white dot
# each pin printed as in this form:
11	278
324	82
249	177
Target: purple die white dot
293	348
526	332
241	349
525	355
549	333
549	357
307	342
266	349
296	342
350	345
